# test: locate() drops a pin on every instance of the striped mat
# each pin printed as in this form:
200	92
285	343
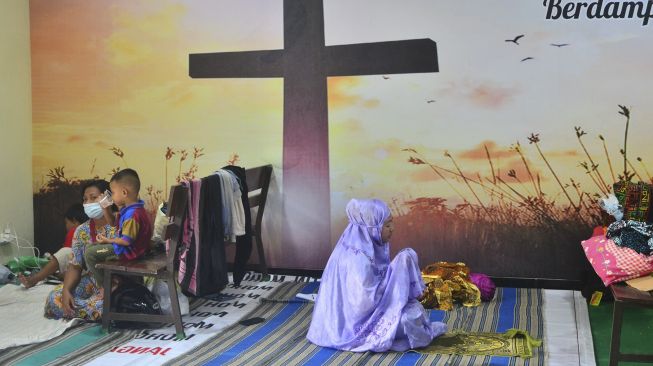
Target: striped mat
87	341
280	340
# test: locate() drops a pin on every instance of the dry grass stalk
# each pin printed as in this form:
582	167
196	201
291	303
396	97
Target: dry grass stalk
119	153
626	113
580	133
466	181
233	159
535	139
607	156
517	148
585	166
435	169
627	173
168	155
489	159
513	174
645	169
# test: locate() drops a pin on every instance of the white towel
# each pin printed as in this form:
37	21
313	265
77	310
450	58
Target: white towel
21	316
237	209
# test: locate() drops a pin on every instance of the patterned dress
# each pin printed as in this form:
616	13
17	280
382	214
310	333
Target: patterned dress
87	296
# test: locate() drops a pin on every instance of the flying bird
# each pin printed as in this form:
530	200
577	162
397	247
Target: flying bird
559	44
514	40
526	59
386	77
430	101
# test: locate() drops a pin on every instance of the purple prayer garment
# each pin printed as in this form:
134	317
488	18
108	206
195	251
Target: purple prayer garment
485	284
366	302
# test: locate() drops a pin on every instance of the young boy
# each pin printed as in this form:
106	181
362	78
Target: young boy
134	226
73	217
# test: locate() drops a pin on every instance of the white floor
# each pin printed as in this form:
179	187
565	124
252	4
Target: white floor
567	332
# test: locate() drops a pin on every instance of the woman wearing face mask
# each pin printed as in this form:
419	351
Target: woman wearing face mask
79	296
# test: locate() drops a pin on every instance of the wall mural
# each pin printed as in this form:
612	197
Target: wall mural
489	128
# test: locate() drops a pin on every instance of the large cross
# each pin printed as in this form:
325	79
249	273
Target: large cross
305	63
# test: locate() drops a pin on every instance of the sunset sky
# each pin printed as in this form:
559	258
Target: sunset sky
117	75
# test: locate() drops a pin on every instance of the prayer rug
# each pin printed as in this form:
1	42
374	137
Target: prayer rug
511	343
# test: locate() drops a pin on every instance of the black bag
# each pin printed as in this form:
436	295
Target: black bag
131	297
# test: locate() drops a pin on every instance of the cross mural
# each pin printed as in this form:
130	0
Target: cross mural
305	63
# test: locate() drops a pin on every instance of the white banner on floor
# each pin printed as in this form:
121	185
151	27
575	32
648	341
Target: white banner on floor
155	347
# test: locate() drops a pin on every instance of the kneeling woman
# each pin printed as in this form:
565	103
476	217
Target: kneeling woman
366	302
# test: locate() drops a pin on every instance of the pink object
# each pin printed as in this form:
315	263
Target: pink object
485	284
613	263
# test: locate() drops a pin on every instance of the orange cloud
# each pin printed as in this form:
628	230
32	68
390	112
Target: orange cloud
74	138
340	96
479	153
520	172
490	96
424	174
563	153
371	103
482	94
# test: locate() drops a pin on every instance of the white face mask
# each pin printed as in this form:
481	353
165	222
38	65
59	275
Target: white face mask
93	210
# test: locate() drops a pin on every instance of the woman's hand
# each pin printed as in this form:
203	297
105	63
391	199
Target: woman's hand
68	303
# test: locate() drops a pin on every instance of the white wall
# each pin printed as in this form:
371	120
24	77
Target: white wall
15	123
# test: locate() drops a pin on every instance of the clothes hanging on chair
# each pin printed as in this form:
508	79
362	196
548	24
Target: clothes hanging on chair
202	267
202	264
213	276
226	198
233	215
243	242
237	209
189	251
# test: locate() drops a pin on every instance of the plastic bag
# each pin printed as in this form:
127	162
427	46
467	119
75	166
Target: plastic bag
160	222
5	275
26	263
160	290
131	297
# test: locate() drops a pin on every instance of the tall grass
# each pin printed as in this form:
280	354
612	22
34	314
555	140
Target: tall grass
519	201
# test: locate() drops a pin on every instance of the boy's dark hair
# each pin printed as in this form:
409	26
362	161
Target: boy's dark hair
100	184
76	213
128	177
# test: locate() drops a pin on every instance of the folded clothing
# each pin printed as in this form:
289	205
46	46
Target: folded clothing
613	263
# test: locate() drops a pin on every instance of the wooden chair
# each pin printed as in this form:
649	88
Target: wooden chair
258	183
626	296
160	266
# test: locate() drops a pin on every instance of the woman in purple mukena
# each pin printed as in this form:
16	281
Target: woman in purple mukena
366	302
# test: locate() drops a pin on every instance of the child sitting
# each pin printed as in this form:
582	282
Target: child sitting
73	217
134	225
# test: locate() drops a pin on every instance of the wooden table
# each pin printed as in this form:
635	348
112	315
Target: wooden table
626	296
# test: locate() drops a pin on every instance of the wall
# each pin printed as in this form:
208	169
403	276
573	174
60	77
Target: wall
15	123
479	161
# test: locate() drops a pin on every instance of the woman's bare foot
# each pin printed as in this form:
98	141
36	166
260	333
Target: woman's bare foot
27	281
115	282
